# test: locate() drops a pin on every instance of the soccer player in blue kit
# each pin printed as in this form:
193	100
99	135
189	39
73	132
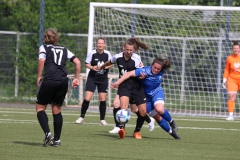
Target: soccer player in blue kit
154	93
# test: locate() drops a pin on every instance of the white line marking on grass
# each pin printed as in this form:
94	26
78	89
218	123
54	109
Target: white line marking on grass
207	120
110	115
98	124
198	128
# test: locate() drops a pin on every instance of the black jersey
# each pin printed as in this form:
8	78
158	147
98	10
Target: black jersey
127	65
55	61
96	59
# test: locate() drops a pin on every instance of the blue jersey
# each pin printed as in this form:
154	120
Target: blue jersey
152	82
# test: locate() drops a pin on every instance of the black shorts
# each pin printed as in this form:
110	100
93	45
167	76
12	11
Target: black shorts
52	92
136	95
102	85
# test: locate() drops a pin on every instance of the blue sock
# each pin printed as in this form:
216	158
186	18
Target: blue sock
163	123
166	116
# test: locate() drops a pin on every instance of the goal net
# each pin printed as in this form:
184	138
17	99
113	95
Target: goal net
197	39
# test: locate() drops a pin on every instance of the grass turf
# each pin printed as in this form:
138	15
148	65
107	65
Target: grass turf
202	138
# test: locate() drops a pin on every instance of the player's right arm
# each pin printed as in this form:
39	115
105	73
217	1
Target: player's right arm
226	72
41	61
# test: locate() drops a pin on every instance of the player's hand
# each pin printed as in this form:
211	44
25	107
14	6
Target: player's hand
142	76
94	68
224	84
39	79
75	83
114	85
100	68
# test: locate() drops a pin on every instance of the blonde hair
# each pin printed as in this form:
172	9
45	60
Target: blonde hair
51	36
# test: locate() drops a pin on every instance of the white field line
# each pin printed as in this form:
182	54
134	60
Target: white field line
6	112
77	113
97	124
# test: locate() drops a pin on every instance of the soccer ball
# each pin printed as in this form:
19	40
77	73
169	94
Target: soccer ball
123	116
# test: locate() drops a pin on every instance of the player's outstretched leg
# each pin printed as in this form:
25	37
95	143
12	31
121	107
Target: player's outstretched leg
165	126
168	118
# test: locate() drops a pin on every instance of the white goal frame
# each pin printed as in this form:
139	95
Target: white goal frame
92	35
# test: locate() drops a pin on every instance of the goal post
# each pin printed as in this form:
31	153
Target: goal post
195	38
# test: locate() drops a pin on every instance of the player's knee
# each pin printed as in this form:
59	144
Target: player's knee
232	97
134	109
116	104
142	112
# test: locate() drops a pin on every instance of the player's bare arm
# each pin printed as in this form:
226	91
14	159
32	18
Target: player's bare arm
107	67
89	66
40	70
123	78
108	63
75	81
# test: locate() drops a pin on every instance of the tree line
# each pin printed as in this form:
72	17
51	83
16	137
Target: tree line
68	16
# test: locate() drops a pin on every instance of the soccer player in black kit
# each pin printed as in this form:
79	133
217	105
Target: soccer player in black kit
52	61
130	90
96	79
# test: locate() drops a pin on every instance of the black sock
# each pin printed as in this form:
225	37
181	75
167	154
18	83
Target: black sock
102	109
146	118
43	121
114	115
140	121
57	124
84	108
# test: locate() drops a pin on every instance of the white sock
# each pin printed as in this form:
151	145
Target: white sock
230	114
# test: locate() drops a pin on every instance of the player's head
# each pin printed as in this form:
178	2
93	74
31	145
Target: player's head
158	64
236	47
101	43
128	48
136	43
51	36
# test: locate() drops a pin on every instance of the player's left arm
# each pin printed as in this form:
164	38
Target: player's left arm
109	58
41	62
226	73
77	63
107	67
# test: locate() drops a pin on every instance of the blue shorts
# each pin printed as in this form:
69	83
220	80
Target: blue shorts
159	96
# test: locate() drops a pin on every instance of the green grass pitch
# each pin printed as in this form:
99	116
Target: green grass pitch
203	138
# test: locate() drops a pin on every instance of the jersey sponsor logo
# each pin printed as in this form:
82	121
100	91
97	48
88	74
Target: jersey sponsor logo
96	59
123	71
100	63
236	65
151	77
120	66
